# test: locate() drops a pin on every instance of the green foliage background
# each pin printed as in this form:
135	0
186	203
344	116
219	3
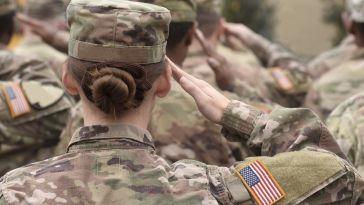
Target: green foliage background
256	14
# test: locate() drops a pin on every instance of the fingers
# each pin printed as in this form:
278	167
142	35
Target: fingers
214	64
194	90
28	21
176	71
203	42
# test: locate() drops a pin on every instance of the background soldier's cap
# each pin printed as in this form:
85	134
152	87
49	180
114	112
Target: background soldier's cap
210	6
7	6
44	9
355	9
117	31
181	10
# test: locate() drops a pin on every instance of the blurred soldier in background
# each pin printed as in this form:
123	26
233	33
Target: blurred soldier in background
52	14
33	107
347	78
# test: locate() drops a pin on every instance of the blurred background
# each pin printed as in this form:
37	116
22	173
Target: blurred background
292	23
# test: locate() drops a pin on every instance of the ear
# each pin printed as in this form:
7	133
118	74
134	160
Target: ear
190	34
69	82
165	83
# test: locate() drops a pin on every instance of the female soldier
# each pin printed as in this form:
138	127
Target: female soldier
117	65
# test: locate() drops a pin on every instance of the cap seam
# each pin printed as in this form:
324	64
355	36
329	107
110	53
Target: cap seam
99	45
128	10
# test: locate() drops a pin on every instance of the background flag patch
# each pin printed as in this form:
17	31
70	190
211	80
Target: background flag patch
16	100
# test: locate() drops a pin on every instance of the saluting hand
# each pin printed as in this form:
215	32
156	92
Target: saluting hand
224	75
209	101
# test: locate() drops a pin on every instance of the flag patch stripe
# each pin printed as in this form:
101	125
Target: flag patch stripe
16	100
261	184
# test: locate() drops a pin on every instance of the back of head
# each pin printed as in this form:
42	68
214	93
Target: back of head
117	50
183	14
7	12
208	15
45	10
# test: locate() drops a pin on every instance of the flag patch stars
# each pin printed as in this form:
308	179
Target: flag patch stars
16	100
261	184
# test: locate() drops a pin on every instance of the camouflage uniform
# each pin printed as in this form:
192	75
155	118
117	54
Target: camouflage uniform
332	58
32	45
117	163
20	141
286	83
343	81
346	123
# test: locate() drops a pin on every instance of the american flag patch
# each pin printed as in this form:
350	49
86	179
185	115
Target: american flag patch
16	100
261	184
281	78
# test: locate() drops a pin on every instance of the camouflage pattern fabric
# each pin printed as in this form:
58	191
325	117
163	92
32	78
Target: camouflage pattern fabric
346	123
337	85
141	39
211	6
110	164
181	132
24	139
45	10
355	10
35	47
329	60
7	6
181	10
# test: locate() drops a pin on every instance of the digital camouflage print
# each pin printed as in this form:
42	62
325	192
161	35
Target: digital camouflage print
181	10
110	164
25	139
7	6
346	123
140	39
332	58
337	85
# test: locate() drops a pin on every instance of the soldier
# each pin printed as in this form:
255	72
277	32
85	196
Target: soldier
181	133
111	160
346	123
346	79
33	107
285	84
51	13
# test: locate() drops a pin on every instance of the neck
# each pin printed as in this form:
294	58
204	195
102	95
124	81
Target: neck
138	117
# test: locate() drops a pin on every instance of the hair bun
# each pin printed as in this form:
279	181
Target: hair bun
113	90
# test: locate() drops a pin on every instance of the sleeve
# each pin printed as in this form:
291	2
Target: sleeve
2	199
280	131
296	150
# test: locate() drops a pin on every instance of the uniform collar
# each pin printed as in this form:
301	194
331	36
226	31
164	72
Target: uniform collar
109	136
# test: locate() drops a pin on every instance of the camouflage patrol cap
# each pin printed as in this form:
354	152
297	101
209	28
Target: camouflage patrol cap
7	6
210	6
355	9
117	31
181	10
44	9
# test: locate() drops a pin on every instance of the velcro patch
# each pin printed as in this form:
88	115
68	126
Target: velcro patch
41	96
16	100
260	183
282	79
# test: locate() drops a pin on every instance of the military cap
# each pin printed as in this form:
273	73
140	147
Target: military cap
44	9
181	10
355	9
7	6
117	31
210	6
